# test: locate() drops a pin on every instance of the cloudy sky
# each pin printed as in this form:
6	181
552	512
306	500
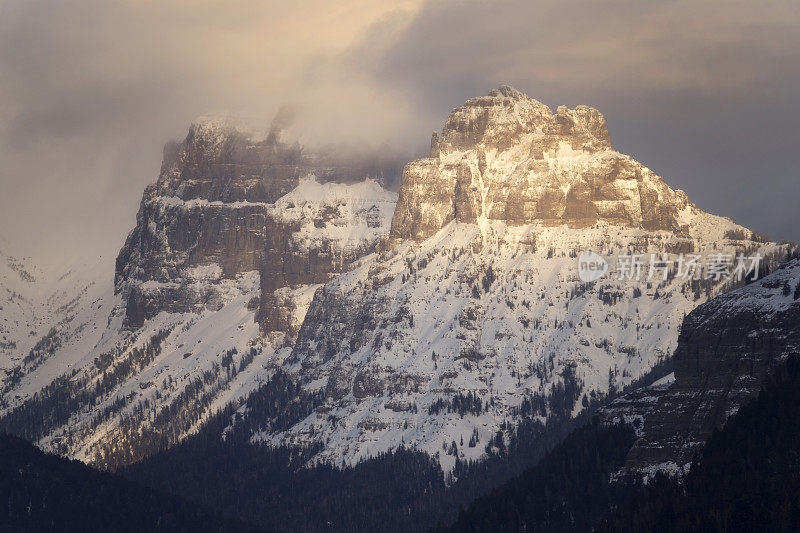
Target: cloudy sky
703	92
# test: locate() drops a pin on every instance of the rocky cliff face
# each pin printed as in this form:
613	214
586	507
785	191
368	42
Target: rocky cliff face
227	203
203	220
313	233
507	157
726	348
474	320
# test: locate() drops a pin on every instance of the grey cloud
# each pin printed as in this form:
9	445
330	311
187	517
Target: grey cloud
705	92
90	90
702	92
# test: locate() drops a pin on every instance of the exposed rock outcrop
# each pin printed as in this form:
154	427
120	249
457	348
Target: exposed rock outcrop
726	348
216	212
507	157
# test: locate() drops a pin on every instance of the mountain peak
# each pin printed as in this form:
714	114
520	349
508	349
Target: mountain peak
508	157
509	92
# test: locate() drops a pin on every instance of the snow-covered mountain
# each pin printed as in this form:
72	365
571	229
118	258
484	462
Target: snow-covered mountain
210	288
18	303
440	318
474	319
62	309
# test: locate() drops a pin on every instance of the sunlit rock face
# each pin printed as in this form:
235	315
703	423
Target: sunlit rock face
509	158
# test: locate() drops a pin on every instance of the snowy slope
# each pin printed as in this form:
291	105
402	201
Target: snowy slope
50	309
130	387
18	307
479	309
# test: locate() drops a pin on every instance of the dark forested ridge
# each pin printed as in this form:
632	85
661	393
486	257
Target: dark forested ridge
747	478
403	490
44	492
566	491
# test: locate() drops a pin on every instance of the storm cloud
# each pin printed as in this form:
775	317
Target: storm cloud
704	93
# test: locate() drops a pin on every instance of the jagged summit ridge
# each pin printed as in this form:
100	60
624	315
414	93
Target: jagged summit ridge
502	117
508	157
